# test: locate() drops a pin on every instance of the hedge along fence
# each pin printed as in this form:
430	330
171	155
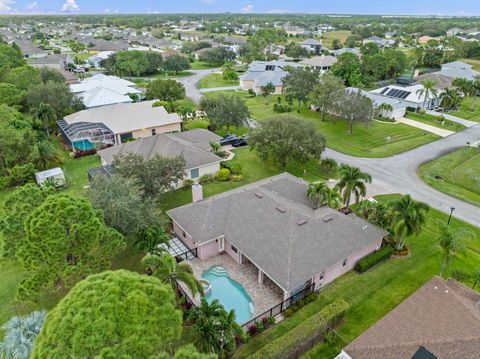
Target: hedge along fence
287	345
373	259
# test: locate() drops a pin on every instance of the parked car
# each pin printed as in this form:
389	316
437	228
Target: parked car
242	141
228	140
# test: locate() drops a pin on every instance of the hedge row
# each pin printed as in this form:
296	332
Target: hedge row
369	261
318	323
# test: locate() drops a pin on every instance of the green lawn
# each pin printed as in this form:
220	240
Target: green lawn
253	169
365	141
215	80
465	110
457	174
341	35
200	65
473	62
434	121
376	292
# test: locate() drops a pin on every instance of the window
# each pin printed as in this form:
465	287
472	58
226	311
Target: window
124	137
322	275
194	173
344	262
154	131
184	235
233	248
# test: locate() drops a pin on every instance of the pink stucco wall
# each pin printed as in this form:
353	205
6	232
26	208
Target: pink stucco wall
207	250
187	239
338	269
231	253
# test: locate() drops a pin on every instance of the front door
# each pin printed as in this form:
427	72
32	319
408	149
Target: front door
221	244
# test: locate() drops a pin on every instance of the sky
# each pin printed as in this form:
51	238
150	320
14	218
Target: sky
373	7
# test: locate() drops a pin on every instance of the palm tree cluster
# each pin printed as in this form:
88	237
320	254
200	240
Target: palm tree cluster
428	90
469	88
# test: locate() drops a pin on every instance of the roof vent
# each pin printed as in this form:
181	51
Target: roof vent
327	219
259	194
301	222
281	209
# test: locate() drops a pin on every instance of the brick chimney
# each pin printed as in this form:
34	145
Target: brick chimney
197	192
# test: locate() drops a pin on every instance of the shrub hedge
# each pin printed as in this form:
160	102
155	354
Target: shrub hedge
317	324
369	261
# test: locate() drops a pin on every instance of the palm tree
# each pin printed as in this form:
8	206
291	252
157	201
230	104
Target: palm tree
385	108
317	191
148	239
475	277
20	334
408	217
333	198
475	90
267	90
165	267
45	113
451	243
48	154
427	90
449	98
352	180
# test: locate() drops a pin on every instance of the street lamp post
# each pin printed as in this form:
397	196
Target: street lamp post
450	217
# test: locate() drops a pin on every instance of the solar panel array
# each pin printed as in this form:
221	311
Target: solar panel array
398	93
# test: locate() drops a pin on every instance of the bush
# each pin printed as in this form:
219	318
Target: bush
223	174
329	163
422	111
188	182
371	260
251	93
260	326
318	323
21	174
282	108
234	167
288	313
206	178
236	178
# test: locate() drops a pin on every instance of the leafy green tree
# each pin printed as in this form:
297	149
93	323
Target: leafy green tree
229	71
175	64
190	46
287	138
267	90
165	90
22	77
450	98
155	61
432	57
131	63
369	49
427	91
190	352
46	115
165	267
65	241
11	95
295	51
123	205
216	327
155	176
225	111
17	146
148	239
351	41
47	74
217	56
260	41
348	68
132	315
355	107
324	194
352	181
408	217
20	335
397	62
48	155
10	56
57	95
451	244
299	83
336	44
374	67
325	95
17	207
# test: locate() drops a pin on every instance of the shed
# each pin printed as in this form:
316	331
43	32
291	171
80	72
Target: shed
54	174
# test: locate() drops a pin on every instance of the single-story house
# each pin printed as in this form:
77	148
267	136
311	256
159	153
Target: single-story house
424	39
193	146
344	50
399	108
53	61
378	41
102	90
260	73
457	69
115	124
96	59
455	31
441	81
312	45
441	320
273	225
409	95
322	62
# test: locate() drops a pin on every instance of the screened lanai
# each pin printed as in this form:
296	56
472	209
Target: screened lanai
85	135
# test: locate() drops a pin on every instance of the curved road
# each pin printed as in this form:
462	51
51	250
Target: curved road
190	83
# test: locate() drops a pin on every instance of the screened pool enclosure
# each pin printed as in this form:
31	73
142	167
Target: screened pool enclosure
86	135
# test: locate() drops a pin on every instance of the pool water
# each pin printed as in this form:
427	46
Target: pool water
83	145
230	293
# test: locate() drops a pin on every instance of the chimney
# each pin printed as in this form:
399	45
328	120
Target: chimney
197	192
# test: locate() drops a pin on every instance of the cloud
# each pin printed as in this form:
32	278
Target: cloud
70	6
32	6
4	8
107	10
247	9
278	11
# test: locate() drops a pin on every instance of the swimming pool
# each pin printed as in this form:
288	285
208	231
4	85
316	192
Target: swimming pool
230	293
83	145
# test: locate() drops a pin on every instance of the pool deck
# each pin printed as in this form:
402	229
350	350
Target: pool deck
264	295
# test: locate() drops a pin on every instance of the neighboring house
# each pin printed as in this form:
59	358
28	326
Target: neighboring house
441	320
409	96
457	69
424	39
96	59
312	45
399	108
441	81
29	49
276	227
54	61
260	73
455	31
378	41
115	124
344	50
322	62
193	146
101	90
390	35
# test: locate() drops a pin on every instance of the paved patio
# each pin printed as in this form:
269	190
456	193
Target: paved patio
264	295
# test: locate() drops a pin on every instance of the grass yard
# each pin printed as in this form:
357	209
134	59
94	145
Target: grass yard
364	142
215	80
254	169
373	294
473	62
457	174
341	35
434	121
465	111
201	65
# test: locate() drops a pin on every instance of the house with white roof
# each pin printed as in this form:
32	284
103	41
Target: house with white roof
102	90
96	59
458	69
115	124
411	96
313	46
399	107
322	62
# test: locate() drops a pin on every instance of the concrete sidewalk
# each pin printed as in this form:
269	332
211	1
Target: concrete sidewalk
452	118
423	126
212	89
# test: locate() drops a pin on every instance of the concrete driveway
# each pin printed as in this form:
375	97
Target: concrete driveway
423	126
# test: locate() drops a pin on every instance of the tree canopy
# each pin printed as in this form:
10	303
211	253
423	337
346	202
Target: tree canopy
299	83
165	90
225	111
132	315
217	56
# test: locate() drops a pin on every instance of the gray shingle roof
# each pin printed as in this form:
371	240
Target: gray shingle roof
166	145
272	239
